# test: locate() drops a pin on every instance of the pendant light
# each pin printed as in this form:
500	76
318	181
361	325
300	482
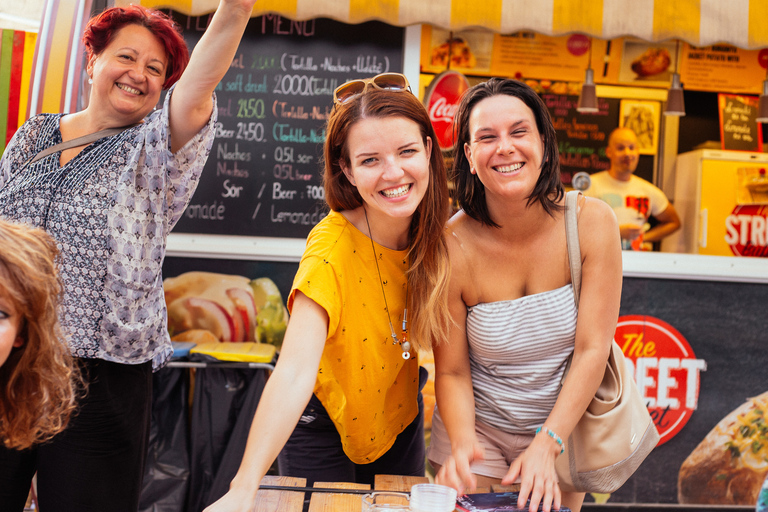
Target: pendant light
588	97
675	103
762	105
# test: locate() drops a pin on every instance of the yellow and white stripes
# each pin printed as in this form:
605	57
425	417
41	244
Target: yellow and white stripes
58	57
743	23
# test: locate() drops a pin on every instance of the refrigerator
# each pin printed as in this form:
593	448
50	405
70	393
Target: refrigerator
722	200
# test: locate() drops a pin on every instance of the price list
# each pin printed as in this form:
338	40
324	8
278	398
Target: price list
264	174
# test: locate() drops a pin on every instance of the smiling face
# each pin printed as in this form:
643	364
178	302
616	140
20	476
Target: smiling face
505	148
128	75
389	165
10	324
624	152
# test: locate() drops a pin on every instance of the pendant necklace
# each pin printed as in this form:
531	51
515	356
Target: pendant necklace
404	343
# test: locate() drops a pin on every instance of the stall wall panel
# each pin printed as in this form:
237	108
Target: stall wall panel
725	325
16	54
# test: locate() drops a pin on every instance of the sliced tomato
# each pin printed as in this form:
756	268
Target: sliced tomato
213	317
246	308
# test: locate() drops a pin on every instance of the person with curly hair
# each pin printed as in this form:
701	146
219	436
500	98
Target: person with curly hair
39	383
110	204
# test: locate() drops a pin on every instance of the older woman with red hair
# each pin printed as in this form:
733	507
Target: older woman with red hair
109	199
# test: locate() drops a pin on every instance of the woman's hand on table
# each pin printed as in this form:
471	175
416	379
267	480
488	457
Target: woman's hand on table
536	468
457	470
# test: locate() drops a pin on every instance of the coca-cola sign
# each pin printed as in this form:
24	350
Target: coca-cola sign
442	101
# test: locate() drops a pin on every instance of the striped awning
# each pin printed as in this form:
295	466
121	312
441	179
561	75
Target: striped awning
742	23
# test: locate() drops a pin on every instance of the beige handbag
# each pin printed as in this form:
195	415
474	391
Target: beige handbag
616	432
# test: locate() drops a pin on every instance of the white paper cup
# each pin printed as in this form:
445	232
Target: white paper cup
432	498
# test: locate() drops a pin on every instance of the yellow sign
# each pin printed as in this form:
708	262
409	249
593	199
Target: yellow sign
519	55
563	59
723	68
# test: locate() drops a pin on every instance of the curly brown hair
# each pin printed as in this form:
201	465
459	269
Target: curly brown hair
39	382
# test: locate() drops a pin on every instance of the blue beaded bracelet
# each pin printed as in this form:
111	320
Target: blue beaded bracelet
553	436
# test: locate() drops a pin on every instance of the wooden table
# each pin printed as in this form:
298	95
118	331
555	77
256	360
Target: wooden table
281	501
290	501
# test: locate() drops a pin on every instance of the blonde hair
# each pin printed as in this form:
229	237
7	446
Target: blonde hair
39	383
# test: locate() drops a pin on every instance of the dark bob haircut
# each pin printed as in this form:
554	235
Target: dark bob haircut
470	191
101	28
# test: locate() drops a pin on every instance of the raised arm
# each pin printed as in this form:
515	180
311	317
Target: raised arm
595	327
285	396
453	382
191	103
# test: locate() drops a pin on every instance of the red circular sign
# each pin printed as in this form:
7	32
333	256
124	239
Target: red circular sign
665	369
762	58
442	101
746	230
577	44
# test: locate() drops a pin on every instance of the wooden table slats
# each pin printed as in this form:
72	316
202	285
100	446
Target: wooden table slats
280	501
288	501
331	502
504	488
397	482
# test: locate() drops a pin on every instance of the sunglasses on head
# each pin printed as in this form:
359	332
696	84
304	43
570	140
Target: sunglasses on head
387	81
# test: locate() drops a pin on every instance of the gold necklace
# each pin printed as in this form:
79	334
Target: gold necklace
404	343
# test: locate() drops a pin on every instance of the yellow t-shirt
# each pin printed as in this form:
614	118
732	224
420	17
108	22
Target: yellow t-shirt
368	389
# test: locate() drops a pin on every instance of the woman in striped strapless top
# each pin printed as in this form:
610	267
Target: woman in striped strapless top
501	409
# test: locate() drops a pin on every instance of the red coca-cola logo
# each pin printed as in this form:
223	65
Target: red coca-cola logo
746	230
442	101
577	44
762	58
665	368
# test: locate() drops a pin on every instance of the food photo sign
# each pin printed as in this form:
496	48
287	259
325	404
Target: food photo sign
643	118
697	351
647	64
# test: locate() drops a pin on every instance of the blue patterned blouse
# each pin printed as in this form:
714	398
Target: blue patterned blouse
110	210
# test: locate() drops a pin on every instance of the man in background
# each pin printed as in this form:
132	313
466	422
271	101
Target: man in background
633	199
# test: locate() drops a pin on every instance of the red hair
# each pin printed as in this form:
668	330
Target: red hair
101	28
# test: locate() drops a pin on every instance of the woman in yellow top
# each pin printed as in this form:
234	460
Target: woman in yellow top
348	372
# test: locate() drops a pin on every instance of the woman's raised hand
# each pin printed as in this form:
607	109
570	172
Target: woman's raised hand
192	103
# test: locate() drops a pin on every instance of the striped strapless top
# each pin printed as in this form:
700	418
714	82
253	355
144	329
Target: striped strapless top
518	350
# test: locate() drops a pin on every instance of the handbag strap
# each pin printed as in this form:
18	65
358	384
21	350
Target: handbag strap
572	241
574	254
79	141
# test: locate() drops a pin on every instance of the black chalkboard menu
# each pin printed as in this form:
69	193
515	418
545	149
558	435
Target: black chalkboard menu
582	138
263	177
739	129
